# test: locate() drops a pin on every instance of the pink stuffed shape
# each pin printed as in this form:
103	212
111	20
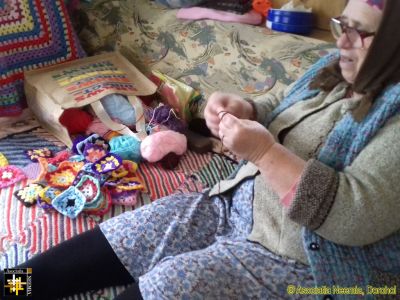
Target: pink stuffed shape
154	147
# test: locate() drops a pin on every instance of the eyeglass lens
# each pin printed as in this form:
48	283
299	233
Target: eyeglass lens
352	35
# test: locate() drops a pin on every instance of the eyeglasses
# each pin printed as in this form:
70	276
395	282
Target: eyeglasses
354	36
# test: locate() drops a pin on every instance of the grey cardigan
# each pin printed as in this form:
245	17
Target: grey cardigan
362	200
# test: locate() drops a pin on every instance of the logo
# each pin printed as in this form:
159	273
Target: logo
18	282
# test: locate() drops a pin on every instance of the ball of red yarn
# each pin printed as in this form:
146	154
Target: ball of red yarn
76	120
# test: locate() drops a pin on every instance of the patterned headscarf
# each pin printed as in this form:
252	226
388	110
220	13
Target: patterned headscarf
376	3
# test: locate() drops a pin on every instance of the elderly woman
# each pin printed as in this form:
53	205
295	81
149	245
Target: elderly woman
315	205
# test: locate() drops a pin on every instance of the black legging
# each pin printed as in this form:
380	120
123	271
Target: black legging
84	263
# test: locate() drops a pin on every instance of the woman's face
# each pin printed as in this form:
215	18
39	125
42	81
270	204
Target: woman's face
361	16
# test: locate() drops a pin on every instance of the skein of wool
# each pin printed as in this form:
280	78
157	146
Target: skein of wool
155	146
75	120
166	116
127	147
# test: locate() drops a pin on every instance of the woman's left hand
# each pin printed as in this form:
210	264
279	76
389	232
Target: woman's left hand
247	139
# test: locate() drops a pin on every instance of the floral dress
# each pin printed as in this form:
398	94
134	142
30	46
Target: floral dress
191	246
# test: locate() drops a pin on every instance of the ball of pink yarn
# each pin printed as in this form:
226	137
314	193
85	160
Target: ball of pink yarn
155	146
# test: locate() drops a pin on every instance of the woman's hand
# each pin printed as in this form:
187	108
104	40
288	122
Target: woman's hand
247	139
231	103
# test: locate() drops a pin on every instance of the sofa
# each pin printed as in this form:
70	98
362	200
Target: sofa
207	55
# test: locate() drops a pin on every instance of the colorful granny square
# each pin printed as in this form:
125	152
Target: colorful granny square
104	204
90	188
10	175
3	160
75	165
62	177
126	198
70	202
93	153
35	154
97	205
128	169
48	194
29	194
87	170
108	163
94	139
125	183
43	204
32	34
59	157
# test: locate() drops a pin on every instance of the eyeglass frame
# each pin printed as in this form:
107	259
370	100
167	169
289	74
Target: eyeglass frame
362	34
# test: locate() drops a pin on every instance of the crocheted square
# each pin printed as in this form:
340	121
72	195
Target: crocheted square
48	194
125	183
62	177
90	188
29	194
59	157
70	202
87	170
105	204
10	175
94	139
32	34
75	165
108	163
127	169
97	205
126	198
34	154
93	152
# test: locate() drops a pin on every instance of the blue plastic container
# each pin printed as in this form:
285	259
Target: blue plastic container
290	17
298	29
298	22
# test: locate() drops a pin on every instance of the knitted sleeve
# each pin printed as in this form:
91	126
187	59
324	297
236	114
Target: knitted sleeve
314	196
359	205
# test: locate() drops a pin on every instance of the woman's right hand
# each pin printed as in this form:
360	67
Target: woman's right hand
230	103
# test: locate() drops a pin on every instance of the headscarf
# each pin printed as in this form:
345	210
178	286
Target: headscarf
376	3
382	63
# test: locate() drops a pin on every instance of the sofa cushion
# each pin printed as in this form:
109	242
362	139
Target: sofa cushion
33	33
208	55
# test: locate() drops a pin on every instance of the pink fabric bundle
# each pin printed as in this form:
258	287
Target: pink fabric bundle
155	146
97	127
197	13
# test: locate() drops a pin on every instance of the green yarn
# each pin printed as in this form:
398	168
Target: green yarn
127	147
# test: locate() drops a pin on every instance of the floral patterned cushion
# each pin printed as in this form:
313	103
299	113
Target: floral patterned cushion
207	55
